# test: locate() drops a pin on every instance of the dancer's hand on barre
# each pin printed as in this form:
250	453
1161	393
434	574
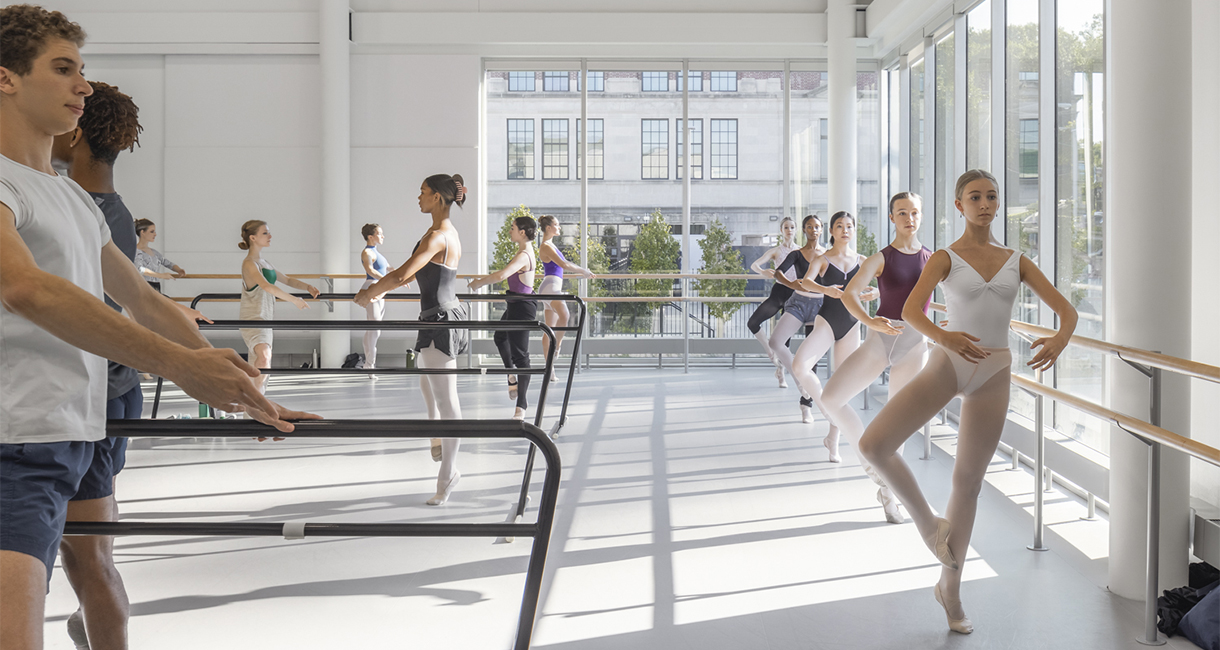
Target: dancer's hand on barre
477	283
964	345
363	298
313	291
1052	347
219	378
300	303
885	325
279	417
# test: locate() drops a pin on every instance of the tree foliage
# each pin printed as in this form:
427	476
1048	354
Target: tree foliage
655	250
719	257
505	249
598	262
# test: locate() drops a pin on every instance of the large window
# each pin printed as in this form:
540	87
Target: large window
724	82
655	82
1027	146
696	81
555	81
520	149
945	213
597	82
555	149
696	148
917	131
521	82
724	148
978	87
596	149
654	145
808	144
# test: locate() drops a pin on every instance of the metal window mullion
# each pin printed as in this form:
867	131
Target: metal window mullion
584	173
686	237
999	104
961	36
1046	148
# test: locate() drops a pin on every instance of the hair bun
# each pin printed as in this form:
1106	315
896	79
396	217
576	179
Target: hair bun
243	245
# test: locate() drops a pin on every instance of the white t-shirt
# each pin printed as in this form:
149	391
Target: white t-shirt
51	391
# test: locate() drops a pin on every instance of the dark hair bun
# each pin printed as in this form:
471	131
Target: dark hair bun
243	245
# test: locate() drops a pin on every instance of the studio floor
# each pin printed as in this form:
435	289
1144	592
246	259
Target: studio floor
696	511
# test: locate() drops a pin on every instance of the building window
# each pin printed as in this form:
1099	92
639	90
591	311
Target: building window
596	148
696	148
597	82
654	140
555	150
520	82
724	148
521	149
655	82
823	147
696	81
1028	143
724	82
1027	75
554	82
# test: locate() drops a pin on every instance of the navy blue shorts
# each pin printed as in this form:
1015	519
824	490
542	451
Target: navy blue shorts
110	454
36	482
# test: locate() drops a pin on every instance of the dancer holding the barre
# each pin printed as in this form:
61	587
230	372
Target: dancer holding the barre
801	308
375	267
889	343
555	312
258	293
779	292
515	346
433	264
981	280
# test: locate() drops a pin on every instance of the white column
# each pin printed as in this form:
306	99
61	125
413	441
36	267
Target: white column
841	140
1148	217
335	228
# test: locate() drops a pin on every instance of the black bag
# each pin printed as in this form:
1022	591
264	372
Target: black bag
354	360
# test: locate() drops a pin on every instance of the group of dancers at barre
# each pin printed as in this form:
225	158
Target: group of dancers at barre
824	291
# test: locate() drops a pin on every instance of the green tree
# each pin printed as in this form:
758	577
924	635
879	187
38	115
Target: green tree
866	245
504	249
655	251
598	263
719	257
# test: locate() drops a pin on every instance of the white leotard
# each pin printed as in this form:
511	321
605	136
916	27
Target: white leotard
978	307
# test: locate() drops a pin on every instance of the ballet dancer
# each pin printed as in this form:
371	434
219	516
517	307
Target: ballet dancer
889	343
150	261
833	325
779	292
801	308
433	264
375	267
515	346
555	312
973	361
259	292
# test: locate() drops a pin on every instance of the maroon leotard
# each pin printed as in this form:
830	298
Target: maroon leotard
898	278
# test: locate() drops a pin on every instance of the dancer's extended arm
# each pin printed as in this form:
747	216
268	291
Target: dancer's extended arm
871	268
1052	346
519	262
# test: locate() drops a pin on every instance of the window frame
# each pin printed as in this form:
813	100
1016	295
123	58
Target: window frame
664	132
714	145
696	173
518	76
509	131
600	156
547	168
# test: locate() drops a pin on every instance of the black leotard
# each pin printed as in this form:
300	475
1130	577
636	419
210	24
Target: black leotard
833	311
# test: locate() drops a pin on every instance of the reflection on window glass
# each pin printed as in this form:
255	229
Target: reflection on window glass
555	149
654	141
808	136
946	213
868	164
1080	217
521	82
917	129
978	87
520	149
596	149
696	148
1021	179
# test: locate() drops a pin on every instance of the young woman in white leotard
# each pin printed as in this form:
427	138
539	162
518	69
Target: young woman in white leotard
554	264
258	293
980	279
779	292
801	307
375	267
152	264
889	343
433	264
834	269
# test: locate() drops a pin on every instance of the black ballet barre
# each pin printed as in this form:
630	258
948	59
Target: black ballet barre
540	530
579	328
332	325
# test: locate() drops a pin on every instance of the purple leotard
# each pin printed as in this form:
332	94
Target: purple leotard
553	268
899	277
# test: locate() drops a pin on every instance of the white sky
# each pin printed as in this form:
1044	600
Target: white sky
1074	15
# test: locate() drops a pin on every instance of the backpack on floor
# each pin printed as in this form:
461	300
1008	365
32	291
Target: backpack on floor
354	360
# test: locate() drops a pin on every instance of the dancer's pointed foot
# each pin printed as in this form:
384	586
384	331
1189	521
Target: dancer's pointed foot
519	414
889	503
444	489
512	389
76	630
831	442
436	450
779	374
960	625
806	410
938	543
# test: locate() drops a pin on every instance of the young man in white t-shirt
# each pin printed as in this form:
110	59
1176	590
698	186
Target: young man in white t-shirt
56	262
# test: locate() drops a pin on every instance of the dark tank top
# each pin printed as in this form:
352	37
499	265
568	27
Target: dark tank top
899	277
436	283
832	308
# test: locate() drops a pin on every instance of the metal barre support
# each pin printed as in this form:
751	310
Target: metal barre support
396	429
1039	469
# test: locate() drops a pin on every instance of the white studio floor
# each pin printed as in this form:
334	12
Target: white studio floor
696	511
